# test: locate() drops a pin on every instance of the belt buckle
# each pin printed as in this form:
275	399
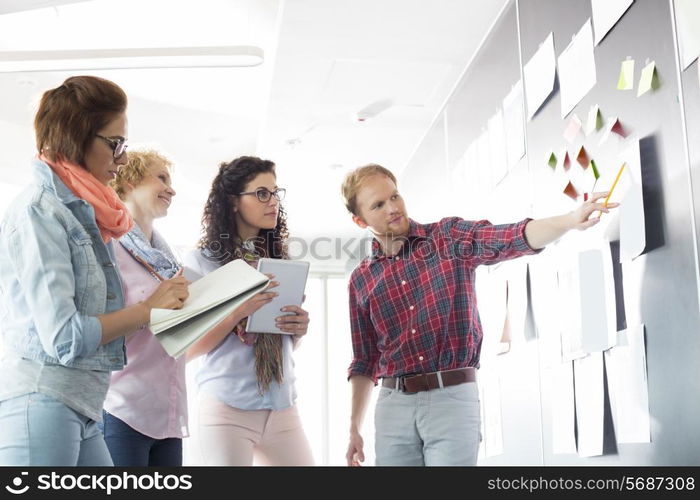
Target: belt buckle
401	385
419	376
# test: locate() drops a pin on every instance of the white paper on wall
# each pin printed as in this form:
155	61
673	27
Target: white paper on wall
589	391
514	120
544	290
539	73
493	425
516	278
570	306
563	416
627	386
606	13
598	311
491	295
497	148
577	73
632	218
688	27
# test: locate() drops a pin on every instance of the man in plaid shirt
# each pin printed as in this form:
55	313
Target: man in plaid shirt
415	323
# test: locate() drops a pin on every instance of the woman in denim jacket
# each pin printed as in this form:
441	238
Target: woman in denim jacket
63	317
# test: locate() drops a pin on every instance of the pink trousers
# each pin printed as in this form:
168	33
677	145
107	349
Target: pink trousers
229	436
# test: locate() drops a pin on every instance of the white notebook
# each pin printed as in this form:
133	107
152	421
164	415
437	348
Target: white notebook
212	298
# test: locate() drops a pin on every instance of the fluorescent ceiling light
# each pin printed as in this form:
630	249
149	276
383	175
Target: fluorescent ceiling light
136	58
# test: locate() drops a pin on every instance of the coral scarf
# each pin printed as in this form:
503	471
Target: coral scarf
112	216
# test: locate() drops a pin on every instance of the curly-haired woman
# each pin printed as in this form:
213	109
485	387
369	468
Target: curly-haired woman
247	395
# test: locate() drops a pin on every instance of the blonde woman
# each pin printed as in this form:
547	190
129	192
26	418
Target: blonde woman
145	413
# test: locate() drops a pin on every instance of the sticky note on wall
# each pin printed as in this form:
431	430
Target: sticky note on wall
614	127
572	129
595	120
649	79
582	158
626	78
567	162
570	191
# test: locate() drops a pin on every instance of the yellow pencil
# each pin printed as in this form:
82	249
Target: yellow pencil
607	198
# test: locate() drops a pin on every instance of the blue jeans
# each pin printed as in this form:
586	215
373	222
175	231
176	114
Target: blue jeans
130	448
36	429
436	427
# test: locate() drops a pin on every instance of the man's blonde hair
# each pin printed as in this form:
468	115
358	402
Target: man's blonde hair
136	169
353	181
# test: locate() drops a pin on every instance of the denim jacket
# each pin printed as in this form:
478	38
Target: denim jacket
56	276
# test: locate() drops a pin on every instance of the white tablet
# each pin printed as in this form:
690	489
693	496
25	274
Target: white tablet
291	276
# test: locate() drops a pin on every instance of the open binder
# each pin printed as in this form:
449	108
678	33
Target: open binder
212	298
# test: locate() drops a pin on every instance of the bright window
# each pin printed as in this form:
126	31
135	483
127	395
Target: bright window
321	367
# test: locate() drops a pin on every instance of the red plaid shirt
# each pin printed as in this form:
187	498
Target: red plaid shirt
416	312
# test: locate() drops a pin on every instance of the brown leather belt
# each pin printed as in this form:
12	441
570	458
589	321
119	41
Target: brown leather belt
428	381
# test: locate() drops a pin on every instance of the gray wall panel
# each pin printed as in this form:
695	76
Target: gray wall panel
664	280
666	273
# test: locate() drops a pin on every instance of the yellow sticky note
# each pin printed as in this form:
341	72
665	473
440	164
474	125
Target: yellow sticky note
626	80
648	79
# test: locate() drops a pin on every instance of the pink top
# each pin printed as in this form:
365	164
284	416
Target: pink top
149	394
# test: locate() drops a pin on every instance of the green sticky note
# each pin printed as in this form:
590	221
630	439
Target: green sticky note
648	80
552	162
598	119
626	79
595	120
595	170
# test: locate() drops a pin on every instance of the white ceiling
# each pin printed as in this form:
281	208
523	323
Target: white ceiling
325	60
8	6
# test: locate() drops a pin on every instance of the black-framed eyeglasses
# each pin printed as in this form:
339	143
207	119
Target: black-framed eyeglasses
264	194
118	145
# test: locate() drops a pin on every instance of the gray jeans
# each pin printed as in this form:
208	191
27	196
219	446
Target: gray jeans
436	427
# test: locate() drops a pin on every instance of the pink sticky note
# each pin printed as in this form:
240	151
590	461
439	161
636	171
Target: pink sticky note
618	129
567	162
614	126
572	129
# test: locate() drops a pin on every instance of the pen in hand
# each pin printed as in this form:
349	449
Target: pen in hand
607	198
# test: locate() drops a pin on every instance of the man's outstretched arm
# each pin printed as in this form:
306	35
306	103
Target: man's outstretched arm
541	232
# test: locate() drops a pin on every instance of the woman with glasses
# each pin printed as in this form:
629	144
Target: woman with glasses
64	318
247	397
